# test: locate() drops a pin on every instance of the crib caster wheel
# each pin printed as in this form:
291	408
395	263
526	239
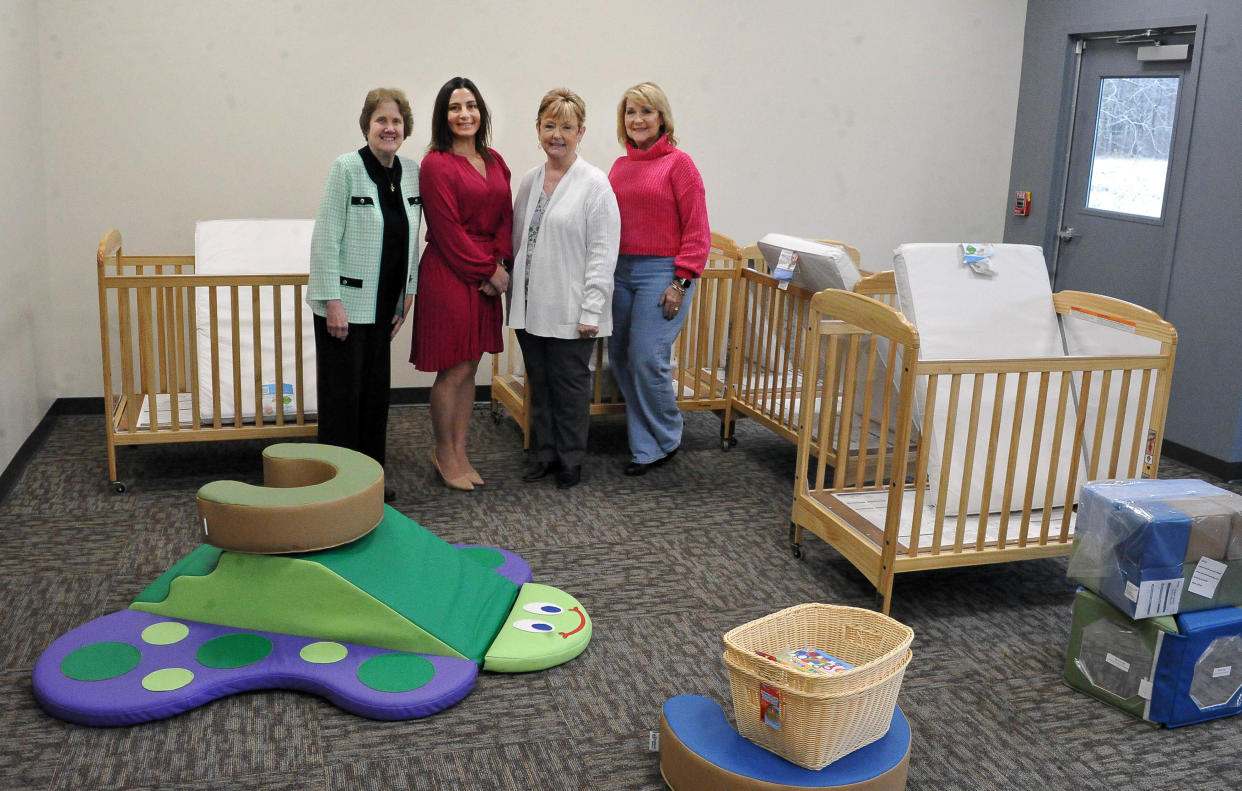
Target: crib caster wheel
119	487
496	418
797	551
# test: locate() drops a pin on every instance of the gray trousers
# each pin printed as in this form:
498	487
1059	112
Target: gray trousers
559	377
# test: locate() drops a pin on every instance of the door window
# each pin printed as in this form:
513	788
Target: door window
1130	157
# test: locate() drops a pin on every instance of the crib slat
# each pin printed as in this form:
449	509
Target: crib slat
1084	398
146	351
845	414
172	357
278	343
1101	413
1036	459
827	396
1119	424
161	358
920	468
968	463
235	339
299	382
1057	435
950	437
257	344
864	422
989	469
215	357
192	341
1015	436
1141	421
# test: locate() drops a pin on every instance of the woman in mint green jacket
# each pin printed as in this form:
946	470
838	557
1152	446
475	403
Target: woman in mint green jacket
363	274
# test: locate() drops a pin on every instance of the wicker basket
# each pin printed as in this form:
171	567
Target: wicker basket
823	717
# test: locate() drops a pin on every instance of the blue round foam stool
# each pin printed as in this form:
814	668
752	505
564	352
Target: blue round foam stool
700	751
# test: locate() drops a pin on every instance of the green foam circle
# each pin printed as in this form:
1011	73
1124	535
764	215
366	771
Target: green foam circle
100	661
323	652
165	633
234	650
395	672
167	680
486	557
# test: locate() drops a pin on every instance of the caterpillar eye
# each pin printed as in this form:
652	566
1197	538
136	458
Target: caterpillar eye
543	608
532	625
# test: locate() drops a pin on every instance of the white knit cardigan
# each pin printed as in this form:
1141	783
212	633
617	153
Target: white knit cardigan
575	254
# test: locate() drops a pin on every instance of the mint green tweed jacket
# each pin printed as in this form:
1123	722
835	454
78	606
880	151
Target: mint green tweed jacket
348	237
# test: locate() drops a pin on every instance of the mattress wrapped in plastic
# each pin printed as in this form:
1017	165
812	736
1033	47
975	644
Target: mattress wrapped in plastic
1159	547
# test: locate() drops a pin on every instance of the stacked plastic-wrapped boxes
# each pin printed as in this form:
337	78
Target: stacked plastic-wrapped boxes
1157	633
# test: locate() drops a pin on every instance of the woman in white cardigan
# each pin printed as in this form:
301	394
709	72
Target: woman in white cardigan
566	232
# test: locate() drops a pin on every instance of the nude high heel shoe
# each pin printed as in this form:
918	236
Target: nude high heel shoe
461	483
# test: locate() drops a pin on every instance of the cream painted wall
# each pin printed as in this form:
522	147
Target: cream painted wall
872	121
24	394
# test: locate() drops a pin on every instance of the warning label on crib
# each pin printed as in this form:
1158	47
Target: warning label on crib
1102	318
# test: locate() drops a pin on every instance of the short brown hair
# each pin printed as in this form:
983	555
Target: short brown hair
650	95
562	103
377	97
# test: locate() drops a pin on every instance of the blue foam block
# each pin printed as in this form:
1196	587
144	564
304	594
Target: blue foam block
701	725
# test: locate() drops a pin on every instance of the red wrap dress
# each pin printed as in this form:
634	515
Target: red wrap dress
469	225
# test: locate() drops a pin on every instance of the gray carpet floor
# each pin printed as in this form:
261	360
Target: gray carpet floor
665	564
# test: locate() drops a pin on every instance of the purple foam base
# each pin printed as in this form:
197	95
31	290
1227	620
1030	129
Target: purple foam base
124	701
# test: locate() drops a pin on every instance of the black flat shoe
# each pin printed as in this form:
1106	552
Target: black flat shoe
667	457
389	494
541	469
568	477
636	468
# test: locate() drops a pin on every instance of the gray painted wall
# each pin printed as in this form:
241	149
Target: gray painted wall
1205	297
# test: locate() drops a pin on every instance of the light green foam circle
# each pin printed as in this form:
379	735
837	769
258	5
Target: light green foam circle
323	653
167	680
165	633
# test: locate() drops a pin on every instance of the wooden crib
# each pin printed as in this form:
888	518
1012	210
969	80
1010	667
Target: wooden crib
148	330
767	333
699	354
1105	414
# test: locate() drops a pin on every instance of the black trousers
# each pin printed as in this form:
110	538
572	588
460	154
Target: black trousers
558	374
352	385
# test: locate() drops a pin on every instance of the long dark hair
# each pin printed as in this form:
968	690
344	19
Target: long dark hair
442	135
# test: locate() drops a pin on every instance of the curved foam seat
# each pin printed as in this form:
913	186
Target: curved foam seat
313	497
700	751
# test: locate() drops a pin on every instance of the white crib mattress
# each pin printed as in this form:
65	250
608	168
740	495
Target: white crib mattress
963	315
873	507
820	266
250	247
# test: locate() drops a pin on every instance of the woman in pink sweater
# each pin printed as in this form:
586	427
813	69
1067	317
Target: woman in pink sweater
665	239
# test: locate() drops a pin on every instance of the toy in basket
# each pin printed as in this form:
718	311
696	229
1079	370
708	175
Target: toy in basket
813	717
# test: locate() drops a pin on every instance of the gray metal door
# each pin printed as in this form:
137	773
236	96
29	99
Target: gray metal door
1127	160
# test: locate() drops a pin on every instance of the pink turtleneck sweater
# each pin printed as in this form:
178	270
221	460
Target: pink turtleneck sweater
663	206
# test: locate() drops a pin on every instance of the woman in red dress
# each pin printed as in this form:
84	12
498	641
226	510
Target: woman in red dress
469	212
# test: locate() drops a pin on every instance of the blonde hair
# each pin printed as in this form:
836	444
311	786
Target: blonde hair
649	95
377	97
562	103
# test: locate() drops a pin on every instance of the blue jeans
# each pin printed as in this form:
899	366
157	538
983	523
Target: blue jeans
639	349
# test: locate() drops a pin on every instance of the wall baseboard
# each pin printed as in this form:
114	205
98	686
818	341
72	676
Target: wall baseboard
17	465
398	396
1225	470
